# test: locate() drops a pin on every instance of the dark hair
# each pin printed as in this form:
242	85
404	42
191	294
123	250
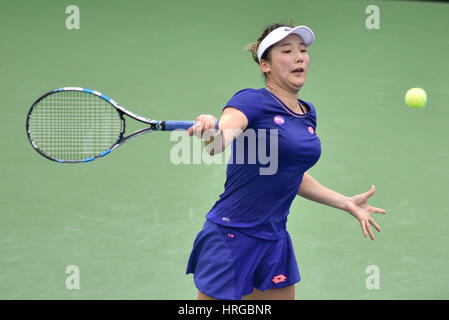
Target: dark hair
252	47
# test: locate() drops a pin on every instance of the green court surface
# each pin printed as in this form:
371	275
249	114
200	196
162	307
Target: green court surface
128	221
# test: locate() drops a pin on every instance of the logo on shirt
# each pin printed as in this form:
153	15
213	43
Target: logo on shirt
279	119
311	130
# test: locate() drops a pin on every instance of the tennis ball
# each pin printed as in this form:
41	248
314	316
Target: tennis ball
416	98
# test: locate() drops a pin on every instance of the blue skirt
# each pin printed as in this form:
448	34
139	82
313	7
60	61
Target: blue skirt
228	264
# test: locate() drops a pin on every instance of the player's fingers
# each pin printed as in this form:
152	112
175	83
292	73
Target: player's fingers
362	224
208	120
197	129
212	124
203	123
207	133
198	123
378	210
209	126
198	119
374	224
371	191
205	127
369	230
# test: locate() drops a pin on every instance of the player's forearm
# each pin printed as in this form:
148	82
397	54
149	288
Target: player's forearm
214	144
314	191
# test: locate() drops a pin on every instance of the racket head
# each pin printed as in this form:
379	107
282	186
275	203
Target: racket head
74	125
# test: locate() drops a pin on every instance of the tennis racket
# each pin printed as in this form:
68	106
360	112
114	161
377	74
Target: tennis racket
76	125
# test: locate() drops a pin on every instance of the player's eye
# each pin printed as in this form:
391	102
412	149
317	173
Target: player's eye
287	51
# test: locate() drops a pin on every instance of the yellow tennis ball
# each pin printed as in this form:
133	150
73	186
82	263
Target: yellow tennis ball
416	98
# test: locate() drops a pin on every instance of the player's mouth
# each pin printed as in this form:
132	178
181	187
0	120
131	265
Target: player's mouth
298	71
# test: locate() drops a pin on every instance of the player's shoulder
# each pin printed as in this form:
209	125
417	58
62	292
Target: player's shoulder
248	92
247	98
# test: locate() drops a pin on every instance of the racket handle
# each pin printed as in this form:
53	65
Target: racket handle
175	125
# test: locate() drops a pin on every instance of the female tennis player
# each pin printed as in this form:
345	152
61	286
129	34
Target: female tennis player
244	250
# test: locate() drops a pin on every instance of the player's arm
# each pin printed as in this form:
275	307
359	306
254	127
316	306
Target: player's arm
356	205
314	191
231	124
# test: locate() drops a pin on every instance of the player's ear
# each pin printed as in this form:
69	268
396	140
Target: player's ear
265	66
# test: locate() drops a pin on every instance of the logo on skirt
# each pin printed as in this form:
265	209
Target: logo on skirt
279	278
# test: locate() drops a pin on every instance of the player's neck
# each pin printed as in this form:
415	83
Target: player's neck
282	93
289	98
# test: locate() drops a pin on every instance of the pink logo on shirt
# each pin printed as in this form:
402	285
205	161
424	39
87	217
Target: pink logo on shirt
279	120
311	130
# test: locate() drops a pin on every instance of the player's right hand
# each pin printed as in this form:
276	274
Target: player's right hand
203	123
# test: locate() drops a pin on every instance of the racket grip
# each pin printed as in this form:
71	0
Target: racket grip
176	125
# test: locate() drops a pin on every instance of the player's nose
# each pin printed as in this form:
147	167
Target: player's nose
299	58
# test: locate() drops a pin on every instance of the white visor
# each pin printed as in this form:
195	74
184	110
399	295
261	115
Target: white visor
280	33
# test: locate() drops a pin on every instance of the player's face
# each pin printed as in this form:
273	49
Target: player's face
289	63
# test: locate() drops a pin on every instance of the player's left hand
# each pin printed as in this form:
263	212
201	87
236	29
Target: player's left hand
358	207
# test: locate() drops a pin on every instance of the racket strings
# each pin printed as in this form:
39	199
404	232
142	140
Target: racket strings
74	125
